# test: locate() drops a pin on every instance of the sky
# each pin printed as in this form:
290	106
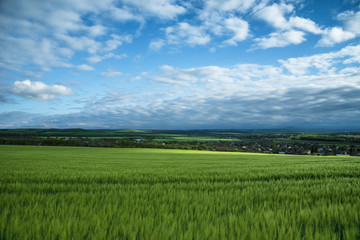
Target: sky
174	64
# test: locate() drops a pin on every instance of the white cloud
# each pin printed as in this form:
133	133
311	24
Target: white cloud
281	39
125	14
215	75
85	67
45	53
215	19
159	8
156	44
30	45
87	5
239	27
301	71
289	30
227	5
351	21
335	35
39	90
325	63
274	15
304	24
300	66
97	30
115	42
183	32
96	58
64	21
111	73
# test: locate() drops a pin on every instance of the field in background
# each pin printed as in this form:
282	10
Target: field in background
102	193
284	141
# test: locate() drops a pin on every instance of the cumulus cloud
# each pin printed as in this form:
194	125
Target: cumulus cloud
351	21
27	42
215	20
159	8
39	90
125	14
234	28
239	27
290	30
323	63
227	5
304	24
335	35
274	15
281	39
183	32
314	70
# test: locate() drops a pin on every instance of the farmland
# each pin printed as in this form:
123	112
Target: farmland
104	193
287	141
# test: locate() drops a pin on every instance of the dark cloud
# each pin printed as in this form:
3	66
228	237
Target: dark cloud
5	99
5	95
303	107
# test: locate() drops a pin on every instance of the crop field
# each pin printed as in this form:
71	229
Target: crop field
112	193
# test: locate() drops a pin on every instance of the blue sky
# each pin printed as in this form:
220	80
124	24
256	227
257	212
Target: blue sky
167	64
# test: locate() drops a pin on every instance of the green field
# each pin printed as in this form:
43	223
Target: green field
103	193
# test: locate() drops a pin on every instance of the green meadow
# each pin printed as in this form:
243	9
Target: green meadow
112	193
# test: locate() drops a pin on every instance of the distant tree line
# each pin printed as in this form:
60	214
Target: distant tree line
263	145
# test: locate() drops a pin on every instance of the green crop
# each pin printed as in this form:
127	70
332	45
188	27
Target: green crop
102	193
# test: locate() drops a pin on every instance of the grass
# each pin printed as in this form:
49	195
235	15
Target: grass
101	193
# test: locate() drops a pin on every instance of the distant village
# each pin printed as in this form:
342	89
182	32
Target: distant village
256	142
256	146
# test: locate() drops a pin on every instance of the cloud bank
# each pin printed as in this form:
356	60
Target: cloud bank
316	91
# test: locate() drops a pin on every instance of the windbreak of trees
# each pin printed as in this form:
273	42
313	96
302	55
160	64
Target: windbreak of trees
328	138
108	142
